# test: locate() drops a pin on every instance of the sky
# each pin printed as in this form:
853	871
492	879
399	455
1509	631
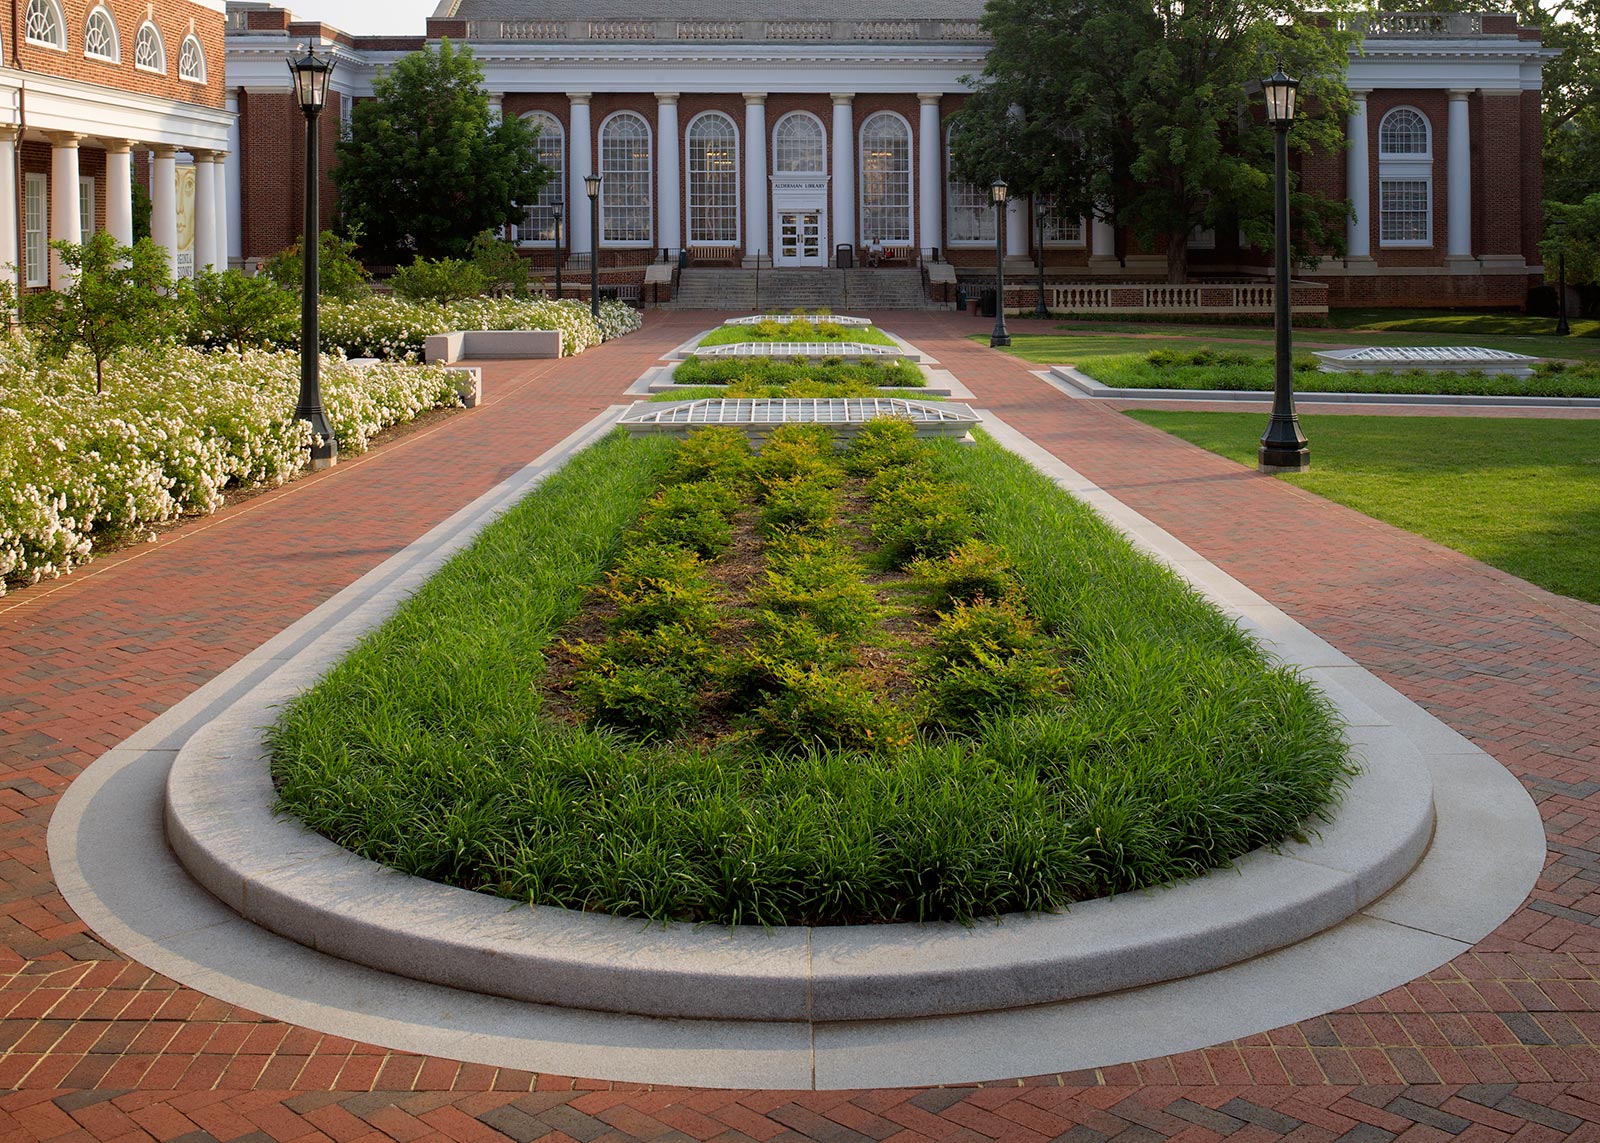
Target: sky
366	17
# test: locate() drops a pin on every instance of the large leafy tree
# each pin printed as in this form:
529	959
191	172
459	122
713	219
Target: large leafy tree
1139	112
425	168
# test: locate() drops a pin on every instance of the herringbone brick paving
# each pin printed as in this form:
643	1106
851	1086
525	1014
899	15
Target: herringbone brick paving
1503	1043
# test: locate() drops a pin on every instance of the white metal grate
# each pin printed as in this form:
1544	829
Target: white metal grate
836	319
799	349
799	410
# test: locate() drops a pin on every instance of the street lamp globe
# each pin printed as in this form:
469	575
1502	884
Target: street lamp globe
1281	92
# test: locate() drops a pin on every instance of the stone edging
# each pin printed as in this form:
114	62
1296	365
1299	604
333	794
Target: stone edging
281	876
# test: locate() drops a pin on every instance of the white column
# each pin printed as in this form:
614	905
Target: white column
219	213
1459	178
8	205
164	203
205	210
1017	227
496	102
844	171
231	221
928	182
119	190
580	149
1102	239
669	178
755	177
65	202
1358	228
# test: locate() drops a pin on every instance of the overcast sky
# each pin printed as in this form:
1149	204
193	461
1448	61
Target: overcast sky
367	17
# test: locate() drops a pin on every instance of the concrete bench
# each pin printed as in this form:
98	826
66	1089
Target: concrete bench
459	345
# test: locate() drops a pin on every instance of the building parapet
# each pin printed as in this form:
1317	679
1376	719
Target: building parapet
725	31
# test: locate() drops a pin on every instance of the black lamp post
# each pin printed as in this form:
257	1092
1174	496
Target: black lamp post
558	206
1283	446
591	184
1040	205
999	337
311	74
1562	328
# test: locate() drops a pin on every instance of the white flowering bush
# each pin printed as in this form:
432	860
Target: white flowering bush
394	328
172	429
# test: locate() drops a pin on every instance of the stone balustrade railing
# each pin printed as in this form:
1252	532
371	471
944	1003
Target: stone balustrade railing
728	31
1414	25
1192	298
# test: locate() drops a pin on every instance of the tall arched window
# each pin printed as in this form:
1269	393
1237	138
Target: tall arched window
191	60
971	213
625	191
539	216
44	25
886	178
1405	179
100	36
149	52
713	173
799	145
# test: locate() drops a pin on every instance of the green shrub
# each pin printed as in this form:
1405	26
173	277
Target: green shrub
504	270
821	582
444	280
974	571
918	517
767	371
655	585
644	700
817	709
798	504
718	453
693	516
966	694
339	273
236	312
798	451
971	632
883	442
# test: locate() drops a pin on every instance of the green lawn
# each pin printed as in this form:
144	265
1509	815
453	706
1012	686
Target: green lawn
1523	495
797	331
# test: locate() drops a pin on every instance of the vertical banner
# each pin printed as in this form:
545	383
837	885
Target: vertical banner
185	177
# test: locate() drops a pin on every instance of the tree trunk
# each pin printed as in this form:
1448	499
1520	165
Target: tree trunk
1177	259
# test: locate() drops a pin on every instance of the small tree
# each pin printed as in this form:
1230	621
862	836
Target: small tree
425	168
441	280
119	296
339	273
234	311
505	272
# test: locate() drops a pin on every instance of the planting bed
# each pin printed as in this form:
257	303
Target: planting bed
912	682
800	329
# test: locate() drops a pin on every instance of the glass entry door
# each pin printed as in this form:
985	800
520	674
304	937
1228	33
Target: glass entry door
800	238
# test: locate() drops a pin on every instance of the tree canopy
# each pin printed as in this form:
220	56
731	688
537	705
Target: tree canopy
1165	138
425	168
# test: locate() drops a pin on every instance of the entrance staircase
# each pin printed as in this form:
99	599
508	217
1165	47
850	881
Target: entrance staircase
735	288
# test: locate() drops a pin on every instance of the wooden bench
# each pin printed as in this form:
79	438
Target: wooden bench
713	255
891	256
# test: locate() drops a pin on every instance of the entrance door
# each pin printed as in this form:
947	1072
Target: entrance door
800	238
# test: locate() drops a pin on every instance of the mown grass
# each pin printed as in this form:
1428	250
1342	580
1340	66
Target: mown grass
1433	321
1179	750
798	389
1520	494
1207	369
797	331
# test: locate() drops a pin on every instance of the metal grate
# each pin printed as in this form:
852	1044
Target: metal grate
836	319
1433	358
799	410
798	349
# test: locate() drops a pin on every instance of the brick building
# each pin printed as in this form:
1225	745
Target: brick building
801	126
85	87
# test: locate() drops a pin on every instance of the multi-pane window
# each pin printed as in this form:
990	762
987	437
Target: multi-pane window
970	211
1061	229
85	207
713	180
35	235
539	216
885	179
149	53
191	60
799	145
42	24
100	37
625	191
1405	179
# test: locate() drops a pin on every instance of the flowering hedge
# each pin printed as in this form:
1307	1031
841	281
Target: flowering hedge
394	328
172	429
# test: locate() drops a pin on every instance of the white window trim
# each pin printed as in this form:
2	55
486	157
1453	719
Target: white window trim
649	183
1077	243
116	38
738	185
161	49
911	180
191	38
61	26
820	171
1409	167
36	189
557	183
950	182
85	207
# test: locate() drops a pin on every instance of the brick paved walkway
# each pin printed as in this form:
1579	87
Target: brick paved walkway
1502	1043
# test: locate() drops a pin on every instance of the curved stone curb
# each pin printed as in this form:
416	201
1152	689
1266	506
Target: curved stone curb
276	873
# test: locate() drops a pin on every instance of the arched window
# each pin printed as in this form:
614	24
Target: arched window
799	145
713	170
971	213
625	191
149	52
539	216
886	178
43	25
191	60
1405	179
100	36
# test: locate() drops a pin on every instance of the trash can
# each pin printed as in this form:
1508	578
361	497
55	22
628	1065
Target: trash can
986	302
961	299
683	258
844	256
